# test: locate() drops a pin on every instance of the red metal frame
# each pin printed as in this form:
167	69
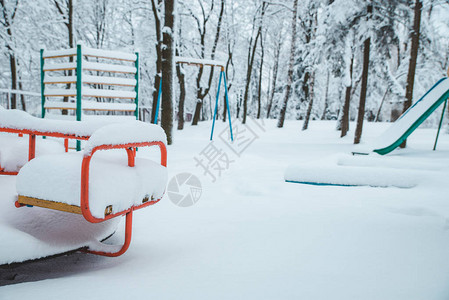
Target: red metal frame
131	158
84	201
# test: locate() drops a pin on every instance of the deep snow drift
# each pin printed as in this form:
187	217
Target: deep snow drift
253	236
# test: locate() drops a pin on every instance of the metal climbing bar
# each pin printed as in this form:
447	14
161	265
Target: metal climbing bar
159	93
216	106
439	126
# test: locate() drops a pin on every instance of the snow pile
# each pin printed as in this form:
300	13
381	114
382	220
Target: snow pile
30	233
125	133
111	181
375	171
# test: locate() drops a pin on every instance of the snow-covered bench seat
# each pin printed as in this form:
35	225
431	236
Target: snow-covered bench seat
102	186
99	186
113	185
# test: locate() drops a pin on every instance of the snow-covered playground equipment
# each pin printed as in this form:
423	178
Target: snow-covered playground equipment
202	63
365	171
99	188
83	79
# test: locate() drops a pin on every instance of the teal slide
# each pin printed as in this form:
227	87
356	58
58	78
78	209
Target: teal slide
412	118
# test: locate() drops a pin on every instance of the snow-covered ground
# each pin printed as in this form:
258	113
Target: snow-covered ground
253	236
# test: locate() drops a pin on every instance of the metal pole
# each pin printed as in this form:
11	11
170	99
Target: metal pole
216	106
158	101
227	103
42	84
136	113
79	88
439	126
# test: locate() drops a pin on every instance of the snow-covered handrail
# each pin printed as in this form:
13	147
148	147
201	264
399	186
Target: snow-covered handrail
90	52
22	121
199	61
132	132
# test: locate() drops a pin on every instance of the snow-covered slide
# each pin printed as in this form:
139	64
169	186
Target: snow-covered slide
412	118
373	171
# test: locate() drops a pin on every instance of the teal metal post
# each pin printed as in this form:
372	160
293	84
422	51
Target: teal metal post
42	84
79	88
158	101
227	103
439	126
216	106
136	113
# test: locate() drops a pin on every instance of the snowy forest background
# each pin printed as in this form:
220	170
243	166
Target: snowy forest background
254	39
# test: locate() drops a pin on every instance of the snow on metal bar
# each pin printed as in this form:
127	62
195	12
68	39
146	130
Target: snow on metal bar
199	61
87	92
93	66
60	66
59	53
59	92
123	133
59	79
109	80
92	105
17	119
109	54
59	105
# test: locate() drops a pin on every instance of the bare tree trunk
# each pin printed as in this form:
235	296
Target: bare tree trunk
251	54
67	14
228	63
13	66
22	97
275	75
239	104
413	58
182	96
361	113
168	67
259	92
310	106
326	96
381	104
345	112
290	67
8	20
202	93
